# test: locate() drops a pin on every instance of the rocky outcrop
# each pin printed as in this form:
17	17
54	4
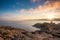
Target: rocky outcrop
48	32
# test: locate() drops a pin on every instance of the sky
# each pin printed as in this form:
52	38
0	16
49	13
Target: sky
15	10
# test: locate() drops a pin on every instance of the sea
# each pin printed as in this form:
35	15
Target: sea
26	25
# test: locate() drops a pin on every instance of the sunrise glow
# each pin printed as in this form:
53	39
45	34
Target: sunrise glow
17	10
50	15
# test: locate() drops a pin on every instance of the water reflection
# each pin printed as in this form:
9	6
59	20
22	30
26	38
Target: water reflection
27	25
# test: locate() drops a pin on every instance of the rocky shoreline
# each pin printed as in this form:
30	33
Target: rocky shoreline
10	33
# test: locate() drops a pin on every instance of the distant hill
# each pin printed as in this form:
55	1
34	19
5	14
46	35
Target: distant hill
56	19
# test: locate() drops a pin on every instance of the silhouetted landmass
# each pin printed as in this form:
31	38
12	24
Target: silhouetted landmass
50	28
56	19
48	31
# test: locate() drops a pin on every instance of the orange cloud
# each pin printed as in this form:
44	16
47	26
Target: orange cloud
42	10
39	12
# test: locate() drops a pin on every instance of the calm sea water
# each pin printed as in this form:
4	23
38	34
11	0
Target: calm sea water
27	25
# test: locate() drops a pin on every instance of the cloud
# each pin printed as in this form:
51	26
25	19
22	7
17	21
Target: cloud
35	1
39	12
46	7
10	17
42	10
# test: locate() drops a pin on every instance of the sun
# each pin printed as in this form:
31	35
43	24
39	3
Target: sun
50	16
